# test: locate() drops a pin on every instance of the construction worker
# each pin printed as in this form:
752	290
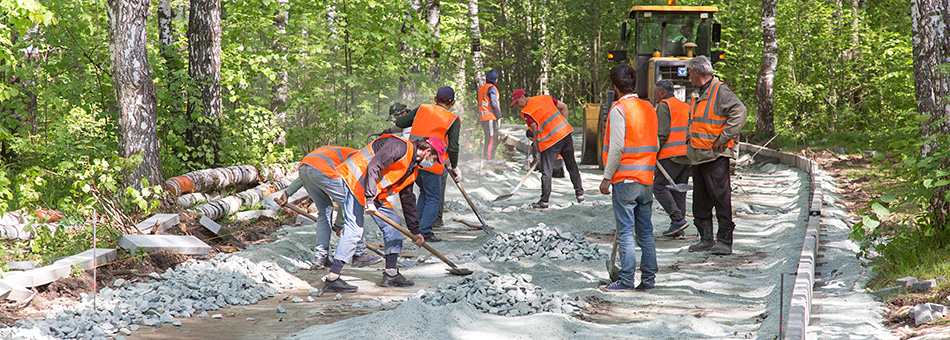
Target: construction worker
716	116
325	186
433	120
546	117
672	115
630	148
489	112
387	165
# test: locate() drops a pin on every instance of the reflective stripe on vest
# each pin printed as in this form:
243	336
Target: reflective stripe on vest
639	147
393	178
484	104
326	158
551	124
679	118
704	125
433	121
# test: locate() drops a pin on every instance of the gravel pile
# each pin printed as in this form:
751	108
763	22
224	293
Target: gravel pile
189	290
506	295
542	242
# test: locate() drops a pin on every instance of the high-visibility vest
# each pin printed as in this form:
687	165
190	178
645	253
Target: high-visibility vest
639	147
433	121
326	158
679	118
705	125
552	125
484	104
393	178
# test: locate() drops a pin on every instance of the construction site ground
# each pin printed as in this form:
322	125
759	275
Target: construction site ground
697	295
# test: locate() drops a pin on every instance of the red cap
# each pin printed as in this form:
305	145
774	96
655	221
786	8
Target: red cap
436	144
514	96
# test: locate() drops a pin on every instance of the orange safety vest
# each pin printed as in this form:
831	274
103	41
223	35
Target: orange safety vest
552	124
484	105
705	125
326	158
676	142
433	121
394	177
639	147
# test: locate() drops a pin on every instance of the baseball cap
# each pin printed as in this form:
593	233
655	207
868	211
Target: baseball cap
436	144
446	93
514	96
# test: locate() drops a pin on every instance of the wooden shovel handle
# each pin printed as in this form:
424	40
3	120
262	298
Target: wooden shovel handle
413	237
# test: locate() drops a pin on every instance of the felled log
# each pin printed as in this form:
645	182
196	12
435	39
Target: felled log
219	208
188	200
211	180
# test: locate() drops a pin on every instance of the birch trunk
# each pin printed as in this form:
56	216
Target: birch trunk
134	91
281	86
764	85
433	12
476	32
213	180
930	32
204	68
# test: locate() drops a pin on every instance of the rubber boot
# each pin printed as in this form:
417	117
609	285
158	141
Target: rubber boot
723	238
705	236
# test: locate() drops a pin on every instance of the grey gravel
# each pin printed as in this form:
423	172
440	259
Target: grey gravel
280	309
505	294
542	242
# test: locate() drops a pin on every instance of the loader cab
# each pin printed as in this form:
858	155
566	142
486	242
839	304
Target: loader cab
664	39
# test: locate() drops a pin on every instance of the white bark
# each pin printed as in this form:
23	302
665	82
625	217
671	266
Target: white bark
475	31
204	53
764	85
134	91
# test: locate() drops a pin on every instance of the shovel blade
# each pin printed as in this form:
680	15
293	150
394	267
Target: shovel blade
680	187
503	197
612	271
459	271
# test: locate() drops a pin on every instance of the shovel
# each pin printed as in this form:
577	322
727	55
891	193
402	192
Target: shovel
371	247
681	187
485	227
507	196
453	270
612	269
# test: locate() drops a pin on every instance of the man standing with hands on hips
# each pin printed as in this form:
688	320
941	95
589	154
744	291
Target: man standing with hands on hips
630	147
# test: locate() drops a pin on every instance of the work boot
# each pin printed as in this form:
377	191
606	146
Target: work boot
395	281
540	205
438	223
676	228
724	238
365	259
430	237
705	236
338	285
580	198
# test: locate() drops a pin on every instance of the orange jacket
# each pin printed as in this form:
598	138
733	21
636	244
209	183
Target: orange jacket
326	158
394	177
639	147
552	124
704	125
432	121
679	116
484	105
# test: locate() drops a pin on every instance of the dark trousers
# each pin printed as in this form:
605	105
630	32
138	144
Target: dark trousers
490	127
712	188
565	148
673	202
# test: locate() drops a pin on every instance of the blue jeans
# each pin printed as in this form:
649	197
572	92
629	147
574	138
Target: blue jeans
632	204
325	190
353	229
430	197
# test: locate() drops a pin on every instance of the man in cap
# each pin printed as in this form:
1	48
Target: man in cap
546	118
434	120
386	166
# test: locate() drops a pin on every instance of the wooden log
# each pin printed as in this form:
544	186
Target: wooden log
211	180
219	208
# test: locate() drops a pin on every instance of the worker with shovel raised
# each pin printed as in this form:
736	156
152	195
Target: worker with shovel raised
386	166
630	148
672	115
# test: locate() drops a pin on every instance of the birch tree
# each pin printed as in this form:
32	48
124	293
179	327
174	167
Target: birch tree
930	32
764	86
476	34
204	68
134	91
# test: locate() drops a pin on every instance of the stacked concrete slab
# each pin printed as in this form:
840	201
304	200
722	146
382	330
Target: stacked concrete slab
187	245
14	285
800	305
